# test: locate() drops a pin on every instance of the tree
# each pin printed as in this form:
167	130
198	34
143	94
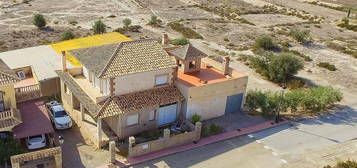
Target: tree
180	41
39	21
99	27
126	22
9	147
283	66
265	42
301	36
67	35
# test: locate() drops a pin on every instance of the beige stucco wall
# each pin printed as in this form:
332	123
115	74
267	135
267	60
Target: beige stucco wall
118	123
9	96
209	101
139	81
50	87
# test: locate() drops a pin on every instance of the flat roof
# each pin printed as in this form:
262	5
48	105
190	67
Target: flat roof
86	42
207	75
35	120
42	59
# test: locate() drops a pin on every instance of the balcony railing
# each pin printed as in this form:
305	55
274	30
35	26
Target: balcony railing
28	93
12	113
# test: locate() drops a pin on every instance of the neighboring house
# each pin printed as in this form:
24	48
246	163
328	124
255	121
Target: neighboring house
127	87
211	89
9	115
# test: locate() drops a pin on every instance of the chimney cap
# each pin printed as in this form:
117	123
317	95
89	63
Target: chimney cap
63	52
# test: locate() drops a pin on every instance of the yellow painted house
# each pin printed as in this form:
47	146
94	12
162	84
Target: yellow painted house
9	115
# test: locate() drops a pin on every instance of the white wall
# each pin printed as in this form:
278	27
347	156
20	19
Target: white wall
207	108
139	81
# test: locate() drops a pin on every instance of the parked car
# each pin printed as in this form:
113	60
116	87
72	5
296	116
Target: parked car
58	115
35	142
5	135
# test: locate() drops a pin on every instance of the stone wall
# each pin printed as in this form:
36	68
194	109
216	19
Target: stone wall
166	141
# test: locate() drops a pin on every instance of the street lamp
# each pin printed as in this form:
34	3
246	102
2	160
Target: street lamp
277	117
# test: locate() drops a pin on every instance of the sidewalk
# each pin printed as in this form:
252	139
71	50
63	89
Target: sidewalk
201	142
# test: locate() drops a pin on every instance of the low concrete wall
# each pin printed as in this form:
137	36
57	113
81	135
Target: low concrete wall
165	142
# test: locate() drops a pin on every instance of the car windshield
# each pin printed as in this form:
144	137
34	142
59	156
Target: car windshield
60	114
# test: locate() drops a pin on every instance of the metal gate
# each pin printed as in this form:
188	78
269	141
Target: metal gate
167	114
234	103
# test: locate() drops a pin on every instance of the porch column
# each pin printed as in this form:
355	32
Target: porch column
112	151
58	160
82	111
15	164
99	131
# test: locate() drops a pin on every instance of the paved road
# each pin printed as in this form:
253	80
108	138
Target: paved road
237	152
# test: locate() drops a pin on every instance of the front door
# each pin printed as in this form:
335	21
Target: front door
167	114
234	103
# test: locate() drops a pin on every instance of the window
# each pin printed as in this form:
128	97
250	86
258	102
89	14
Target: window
161	79
21	74
192	65
132	119
152	115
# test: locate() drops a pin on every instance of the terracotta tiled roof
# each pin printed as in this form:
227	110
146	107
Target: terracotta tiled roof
9	122
36	155
187	52
6	74
124	58
140	100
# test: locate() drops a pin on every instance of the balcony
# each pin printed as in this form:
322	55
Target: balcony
9	119
26	93
88	88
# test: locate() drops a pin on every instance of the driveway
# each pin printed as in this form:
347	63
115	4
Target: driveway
78	154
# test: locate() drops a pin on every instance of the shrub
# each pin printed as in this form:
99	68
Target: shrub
180	41
9	147
301	36
39	21
226	39
154	21
327	66
195	118
305	57
67	35
283	66
265	42
314	99
99	27
126	22
185	31
210	130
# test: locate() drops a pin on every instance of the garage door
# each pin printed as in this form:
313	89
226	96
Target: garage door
167	114
234	103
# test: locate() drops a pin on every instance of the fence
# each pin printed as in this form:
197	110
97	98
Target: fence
165	142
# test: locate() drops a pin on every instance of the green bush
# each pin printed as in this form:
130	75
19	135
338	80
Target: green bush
300	35
126	22
180	41
67	35
210	130
345	164
225	39
185	31
154	21
327	66
283	66
265	42
9	147
39	21
295	84
99	27
195	118
277	68
314	99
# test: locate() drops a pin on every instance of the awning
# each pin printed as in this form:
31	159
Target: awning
35	120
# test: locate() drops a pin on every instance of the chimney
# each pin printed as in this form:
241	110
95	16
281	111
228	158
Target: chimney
64	61
165	39
226	65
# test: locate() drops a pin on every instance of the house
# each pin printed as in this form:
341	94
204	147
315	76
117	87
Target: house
9	114
21	116
125	87
211	89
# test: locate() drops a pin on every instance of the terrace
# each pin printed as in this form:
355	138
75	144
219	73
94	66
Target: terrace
207	75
